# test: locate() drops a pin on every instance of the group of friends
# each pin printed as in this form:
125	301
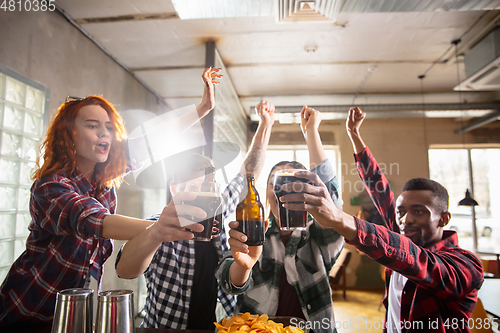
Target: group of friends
429	278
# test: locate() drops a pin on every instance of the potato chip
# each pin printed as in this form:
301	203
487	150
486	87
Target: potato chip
249	323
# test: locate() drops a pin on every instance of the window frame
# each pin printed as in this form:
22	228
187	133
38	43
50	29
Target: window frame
468	148
14	237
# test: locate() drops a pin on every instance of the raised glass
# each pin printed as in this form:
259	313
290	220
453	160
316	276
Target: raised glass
209	199
289	219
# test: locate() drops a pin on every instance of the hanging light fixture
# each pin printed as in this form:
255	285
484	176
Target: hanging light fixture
421	78
468	200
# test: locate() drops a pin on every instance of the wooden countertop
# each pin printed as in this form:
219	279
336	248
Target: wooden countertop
46	328
168	330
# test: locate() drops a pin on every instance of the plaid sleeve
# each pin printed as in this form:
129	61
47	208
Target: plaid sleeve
377	186
327	175
329	241
65	211
222	274
449	272
231	195
230	199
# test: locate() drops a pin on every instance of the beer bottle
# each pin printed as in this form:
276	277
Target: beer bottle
250	215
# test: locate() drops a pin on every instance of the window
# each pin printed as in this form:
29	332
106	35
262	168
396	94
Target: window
455	177
22	110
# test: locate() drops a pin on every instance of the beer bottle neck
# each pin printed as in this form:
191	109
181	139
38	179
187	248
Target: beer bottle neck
252	195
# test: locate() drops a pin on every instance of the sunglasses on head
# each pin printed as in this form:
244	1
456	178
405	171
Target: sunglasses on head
72	98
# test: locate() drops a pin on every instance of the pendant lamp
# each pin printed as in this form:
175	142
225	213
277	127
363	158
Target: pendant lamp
468	200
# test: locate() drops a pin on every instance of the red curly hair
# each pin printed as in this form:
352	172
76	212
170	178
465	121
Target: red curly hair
58	151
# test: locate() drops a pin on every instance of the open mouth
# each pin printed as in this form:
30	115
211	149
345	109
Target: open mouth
103	147
409	232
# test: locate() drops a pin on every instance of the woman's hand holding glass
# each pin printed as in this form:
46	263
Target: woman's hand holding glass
170	225
204	195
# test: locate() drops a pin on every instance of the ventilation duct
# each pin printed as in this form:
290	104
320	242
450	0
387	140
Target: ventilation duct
379	6
300	10
482	64
325	10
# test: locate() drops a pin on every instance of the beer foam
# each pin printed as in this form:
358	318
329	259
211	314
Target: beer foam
292	174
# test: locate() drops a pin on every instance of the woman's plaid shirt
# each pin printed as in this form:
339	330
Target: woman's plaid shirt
67	215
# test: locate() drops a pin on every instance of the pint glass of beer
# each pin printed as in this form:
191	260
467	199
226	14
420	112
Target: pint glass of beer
289	219
209	199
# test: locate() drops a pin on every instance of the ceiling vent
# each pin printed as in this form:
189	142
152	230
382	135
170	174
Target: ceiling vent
482	64
301	10
317	10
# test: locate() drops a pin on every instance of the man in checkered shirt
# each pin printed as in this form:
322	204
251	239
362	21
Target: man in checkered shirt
431	282
182	288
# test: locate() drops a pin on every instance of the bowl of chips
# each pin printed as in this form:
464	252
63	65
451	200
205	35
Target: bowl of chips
246	323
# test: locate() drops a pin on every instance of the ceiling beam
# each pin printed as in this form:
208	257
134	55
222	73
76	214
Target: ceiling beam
284	64
486	119
165	68
397	107
128	18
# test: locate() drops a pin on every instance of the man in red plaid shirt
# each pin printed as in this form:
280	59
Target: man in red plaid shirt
431	283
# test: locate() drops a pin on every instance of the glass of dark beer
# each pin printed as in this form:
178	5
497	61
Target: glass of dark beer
209	199
289	219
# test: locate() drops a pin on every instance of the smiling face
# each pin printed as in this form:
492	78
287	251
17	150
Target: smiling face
419	218
93	138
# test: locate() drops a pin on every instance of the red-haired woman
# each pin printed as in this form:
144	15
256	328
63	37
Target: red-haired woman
73	205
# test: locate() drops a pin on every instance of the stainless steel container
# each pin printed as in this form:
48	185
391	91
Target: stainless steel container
115	312
73	313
